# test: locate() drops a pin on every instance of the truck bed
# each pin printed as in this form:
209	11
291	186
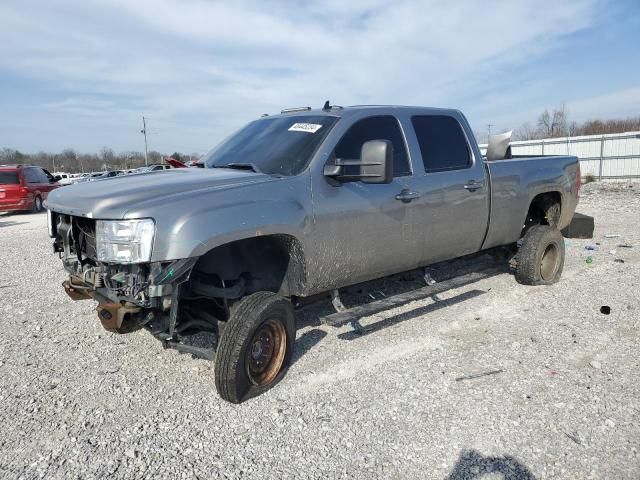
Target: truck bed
515	182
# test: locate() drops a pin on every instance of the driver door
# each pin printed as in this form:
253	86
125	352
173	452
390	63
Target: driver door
363	231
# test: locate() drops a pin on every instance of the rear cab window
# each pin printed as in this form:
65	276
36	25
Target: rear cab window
9	178
443	144
384	127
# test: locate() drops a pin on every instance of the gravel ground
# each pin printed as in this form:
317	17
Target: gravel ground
79	402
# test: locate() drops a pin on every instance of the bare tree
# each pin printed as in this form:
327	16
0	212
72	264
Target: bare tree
526	132
545	123
554	124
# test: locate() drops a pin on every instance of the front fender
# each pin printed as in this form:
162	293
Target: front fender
197	233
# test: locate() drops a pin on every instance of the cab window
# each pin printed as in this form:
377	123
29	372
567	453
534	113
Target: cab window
443	144
375	128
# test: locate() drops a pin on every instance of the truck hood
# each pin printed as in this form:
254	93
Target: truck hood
114	197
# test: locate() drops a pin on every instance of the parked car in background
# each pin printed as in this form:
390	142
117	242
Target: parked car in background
99	176
178	164
63	178
152	168
24	187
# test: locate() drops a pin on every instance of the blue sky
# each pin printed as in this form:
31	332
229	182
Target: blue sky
81	74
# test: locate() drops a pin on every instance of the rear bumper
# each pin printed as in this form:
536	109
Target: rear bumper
13	206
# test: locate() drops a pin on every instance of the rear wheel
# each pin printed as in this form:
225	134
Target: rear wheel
256	346
551	210
37	204
541	256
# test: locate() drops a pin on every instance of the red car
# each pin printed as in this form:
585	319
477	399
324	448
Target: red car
24	187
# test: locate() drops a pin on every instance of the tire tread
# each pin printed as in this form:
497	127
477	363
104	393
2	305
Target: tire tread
537	238
243	320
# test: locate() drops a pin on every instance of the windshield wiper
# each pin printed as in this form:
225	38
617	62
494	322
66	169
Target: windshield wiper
240	166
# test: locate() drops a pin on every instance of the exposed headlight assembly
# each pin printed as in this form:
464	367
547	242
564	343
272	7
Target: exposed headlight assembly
125	241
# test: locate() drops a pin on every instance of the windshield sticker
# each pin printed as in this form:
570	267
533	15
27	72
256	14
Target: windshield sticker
305	127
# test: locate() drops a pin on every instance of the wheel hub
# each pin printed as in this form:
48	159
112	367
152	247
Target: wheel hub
266	353
549	262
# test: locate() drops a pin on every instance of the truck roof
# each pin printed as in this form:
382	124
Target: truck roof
336	111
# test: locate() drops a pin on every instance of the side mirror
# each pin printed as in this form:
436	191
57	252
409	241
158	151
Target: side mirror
376	164
376	159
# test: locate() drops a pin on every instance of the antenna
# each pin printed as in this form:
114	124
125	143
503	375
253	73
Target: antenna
328	107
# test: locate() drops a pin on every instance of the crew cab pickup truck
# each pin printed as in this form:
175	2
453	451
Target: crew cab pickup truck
297	204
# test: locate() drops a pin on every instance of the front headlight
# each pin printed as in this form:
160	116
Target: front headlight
124	241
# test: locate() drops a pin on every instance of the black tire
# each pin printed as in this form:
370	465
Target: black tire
37	204
541	256
239	355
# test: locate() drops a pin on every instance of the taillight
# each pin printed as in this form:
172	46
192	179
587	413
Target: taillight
578	180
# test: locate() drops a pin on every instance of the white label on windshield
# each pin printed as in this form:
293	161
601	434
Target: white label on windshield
305	127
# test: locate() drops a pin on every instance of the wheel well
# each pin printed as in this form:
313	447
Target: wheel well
268	263
545	209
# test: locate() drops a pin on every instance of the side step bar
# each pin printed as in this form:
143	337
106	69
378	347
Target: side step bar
353	314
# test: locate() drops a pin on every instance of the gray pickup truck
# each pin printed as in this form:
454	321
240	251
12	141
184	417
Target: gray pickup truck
297	204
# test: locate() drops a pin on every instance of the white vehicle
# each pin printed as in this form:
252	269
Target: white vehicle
152	168
63	178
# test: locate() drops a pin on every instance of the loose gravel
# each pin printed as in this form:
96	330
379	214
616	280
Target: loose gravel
554	389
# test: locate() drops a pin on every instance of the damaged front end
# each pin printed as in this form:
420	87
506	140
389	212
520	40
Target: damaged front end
159	296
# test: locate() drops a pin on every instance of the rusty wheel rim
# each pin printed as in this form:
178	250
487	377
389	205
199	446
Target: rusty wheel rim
266	352
549	262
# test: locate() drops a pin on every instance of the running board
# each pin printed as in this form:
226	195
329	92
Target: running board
353	314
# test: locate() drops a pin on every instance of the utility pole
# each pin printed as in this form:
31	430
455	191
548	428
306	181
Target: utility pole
144	132
489	125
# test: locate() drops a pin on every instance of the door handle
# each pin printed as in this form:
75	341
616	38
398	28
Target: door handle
472	186
406	195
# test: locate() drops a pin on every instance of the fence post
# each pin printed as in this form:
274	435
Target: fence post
601	155
542	154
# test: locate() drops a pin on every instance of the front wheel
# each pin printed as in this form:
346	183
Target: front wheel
541	256
256	346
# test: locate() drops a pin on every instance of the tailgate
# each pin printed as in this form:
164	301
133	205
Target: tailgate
9	186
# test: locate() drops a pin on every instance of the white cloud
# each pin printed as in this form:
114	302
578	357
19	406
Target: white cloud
618	104
200	66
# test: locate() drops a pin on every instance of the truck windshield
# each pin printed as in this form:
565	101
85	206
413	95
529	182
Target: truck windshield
276	146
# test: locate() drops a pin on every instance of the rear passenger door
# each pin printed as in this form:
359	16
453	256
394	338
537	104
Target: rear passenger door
37	182
454	193
33	182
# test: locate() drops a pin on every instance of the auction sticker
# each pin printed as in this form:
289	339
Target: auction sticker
305	127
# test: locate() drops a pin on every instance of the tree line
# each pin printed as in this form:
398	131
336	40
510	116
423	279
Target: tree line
556	123
549	124
74	162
